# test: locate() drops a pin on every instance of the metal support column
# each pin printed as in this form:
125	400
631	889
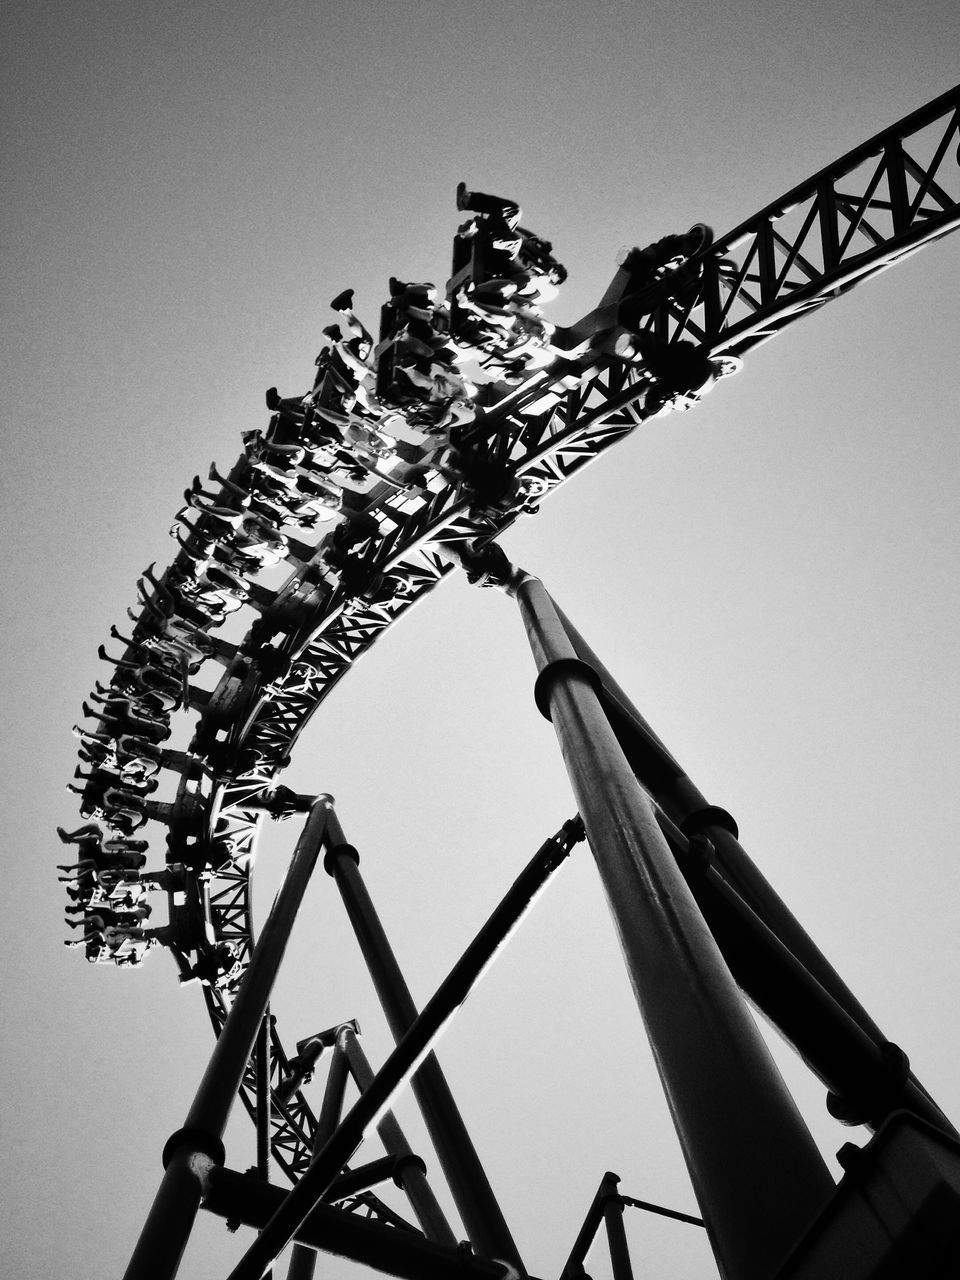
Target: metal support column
867	1081
303	1261
264	1102
193	1150
682	800
406	1057
476	1203
411	1176
616	1235
573	1268
756	1172
686	805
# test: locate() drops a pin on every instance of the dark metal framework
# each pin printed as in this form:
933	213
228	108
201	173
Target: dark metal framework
862	214
868	210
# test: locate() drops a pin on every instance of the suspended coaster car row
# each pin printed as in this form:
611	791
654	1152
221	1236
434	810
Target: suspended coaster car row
414	453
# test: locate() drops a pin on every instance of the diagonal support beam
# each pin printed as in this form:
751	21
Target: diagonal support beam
410	1172
329	1230
772	956
192	1151
757	1174
302	1259
472	1193
407	1056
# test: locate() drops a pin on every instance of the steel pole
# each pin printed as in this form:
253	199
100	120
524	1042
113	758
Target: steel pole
405	1058
616	1235
866	1080
303	1261
331	1108
573	1268
193	1150
264	1101
476	1203
411	1175
686	805
756	1172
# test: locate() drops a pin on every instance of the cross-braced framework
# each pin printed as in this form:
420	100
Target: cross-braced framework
421	450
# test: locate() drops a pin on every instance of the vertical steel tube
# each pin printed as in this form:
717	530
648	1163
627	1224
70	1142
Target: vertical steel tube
222	1078
263	1098
199	1143
412	1176
573	1268
167	1229
264	1102
686	805
476	1203
616	1235
681	800
756	1172
303	1261
333	1093
402	1062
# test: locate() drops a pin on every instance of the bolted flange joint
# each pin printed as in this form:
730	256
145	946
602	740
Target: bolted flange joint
710	816
402	1163
555	670
336	851
198	1141
878	1096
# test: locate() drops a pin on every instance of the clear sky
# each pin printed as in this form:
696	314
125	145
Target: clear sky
771	577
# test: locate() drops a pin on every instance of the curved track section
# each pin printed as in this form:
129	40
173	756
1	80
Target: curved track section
414	491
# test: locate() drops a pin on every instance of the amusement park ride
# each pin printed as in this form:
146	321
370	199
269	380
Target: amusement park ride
411	455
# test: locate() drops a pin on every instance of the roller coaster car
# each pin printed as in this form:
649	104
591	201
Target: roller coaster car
400	348
234	687
660	271
385	353
476	261
645	279
351	549
289	419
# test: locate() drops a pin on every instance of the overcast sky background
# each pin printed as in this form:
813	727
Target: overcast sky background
772	577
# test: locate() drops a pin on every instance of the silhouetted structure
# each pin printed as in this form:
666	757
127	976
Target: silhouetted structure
418	451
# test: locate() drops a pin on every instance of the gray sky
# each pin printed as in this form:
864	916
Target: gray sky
772	577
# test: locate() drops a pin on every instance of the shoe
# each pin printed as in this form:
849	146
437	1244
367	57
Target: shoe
332	331
463	196
343	301
273	399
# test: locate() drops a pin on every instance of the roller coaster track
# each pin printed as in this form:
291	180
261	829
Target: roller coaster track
860	215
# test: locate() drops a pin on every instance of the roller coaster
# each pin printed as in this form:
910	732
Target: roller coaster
405	460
